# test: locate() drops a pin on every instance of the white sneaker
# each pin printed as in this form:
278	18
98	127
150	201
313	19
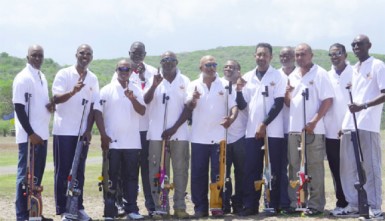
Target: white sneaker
348	211
375	213
336	210
83	216
135	216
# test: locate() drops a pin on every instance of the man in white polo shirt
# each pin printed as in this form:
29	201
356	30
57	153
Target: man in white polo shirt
71	86
235	149
264	119
287	60
340	76
320	97
122	105
207	99
368	92
170	86
32	108
141	75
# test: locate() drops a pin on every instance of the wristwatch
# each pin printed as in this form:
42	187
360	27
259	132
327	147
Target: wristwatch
365	105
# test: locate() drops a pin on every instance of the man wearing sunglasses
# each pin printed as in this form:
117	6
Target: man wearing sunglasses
368	93
142	72
207	98
167	113
264	94
340	76
122	105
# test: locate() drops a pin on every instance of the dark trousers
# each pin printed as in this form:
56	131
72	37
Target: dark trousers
125	163
284	196
201	155
144	172
40	152
333	155
63	155
254	171
235	155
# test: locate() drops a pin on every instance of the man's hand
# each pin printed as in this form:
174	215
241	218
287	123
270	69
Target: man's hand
289	88
157	79
309	128
105	140
87	136
36	139
51	106
356	107
129	94
227	121
167	134
261	131
240	84
78	86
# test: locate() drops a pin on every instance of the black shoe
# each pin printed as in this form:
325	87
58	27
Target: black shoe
46	219
227	211
200	214
248	212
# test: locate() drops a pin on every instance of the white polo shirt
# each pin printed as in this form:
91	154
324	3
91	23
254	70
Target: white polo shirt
252	93
238	127
177	93
367	82
149	72
335	115
69	114
285	109
209	111
320	88
28	81
121	121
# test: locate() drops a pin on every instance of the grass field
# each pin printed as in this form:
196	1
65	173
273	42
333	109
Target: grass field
93	198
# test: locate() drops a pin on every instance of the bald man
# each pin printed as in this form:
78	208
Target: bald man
31	123
311	77
368	92
71	86
207	98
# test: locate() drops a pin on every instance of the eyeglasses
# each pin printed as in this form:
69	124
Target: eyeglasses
335	55
168	60
208	65
124	69
359	44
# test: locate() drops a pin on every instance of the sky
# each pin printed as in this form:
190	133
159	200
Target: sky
110	26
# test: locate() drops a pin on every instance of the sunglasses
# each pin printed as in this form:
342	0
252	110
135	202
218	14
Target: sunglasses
335	55
167	60
208	65
359	44
124	69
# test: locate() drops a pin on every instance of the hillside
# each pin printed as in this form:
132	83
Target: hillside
188	64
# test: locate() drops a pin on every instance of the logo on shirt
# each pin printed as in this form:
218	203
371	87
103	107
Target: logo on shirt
181	87
221	93
369	76
272	83
311	82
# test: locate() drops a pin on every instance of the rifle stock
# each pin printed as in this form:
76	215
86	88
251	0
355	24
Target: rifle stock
216	189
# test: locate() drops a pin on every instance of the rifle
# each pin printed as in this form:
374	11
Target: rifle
33	191
303	177
267	177
218	189
363	205
73	191
162	180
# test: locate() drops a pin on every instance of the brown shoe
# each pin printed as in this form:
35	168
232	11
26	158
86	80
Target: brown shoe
181	214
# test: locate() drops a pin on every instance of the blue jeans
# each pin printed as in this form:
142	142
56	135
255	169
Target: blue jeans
40	157
201	155
63	155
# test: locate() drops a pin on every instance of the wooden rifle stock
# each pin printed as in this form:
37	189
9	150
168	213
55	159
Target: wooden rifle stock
216	189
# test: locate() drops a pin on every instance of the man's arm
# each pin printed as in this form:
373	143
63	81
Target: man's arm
325	105
24	121
105	139
186	114
273	113
376	101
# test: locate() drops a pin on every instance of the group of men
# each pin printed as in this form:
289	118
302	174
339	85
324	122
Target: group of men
144	113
